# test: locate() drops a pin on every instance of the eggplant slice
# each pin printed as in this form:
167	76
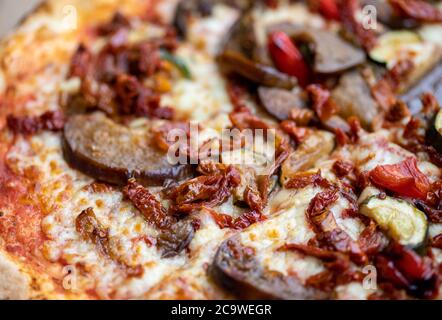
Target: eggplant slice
113	153
236	268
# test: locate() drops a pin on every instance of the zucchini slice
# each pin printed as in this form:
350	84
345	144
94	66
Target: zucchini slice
392	44
434	135
399	219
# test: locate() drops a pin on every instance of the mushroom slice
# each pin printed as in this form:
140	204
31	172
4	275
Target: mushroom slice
332	54
317	146
279	102
113	153
237	269
354	98
235	62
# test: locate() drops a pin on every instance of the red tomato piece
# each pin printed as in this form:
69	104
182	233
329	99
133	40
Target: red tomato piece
287	57
405	179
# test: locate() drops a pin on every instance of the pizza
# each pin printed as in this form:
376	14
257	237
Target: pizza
197	149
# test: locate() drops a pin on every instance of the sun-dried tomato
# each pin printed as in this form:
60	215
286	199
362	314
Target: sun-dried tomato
436	242
433	214
151	209
272	4
397	112
243	221
342	168
118	21
348	10
237	91
337	264
50	120
405	269
418	10
339	240
304	179
430	105
81	62
204	191
321	202
298	134
322	102
244	119
370	240
253	199
247	219
384	91
404	179
301	117
113	79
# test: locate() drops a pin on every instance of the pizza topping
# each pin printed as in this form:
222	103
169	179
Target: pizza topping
236	268
391	44
315	147
354	98
287	57
114	79
337	267
281	103
407	270
111	152
323	104
88	226
204	191
418	10
51	121
148	205
235	62
304	179
436	242
327	8
328	233
384	91
365	37
404	179
401	220
175	235
331	53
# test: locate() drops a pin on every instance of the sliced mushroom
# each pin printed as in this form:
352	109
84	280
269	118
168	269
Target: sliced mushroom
354	98
316	147
279	102
248	36
235	62
175	239
236	268
113	153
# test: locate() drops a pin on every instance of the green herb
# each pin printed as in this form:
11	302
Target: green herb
177	62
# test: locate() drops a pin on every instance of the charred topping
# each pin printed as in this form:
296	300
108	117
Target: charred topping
51	121
175	235
90	229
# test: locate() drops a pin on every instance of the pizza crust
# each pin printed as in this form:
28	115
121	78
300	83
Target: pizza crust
14	285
